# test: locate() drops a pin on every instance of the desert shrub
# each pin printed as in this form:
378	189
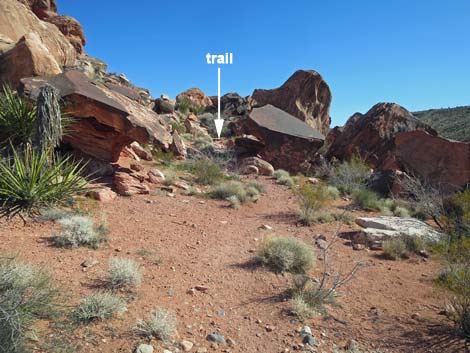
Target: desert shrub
284	254
79	231
183	106
52	214
401	212
301	308
395	249
124	273
228	189
312	295
333	192
31	180
283	178
366	199
17	118
207	120
311	199
206	170
323	217
26	295
345	217
99	306
234	202
161	324
258	186
252	192
350	175
178	127
456	219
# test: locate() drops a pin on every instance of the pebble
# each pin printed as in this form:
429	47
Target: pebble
144	348
306	330
187	345
89	263
201	288
216	337
266	227
357	246
310	340
269	328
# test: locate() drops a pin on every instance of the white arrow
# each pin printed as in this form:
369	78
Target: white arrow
219	122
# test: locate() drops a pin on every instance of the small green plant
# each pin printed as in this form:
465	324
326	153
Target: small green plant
26	295
161	324
312	198
301	308
124	273
350	175
283	178
17	118
366	200
99	306
178	127
284	254
206	171
395	249
183	106
258	186
79	231
234	202
228	189
31	181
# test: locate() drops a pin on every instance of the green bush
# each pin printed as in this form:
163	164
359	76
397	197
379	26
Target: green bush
228	189
283	254
17	118
124	273
367	200
312	198
26	295
79	231
161	325
31	181
206	171
350	175
99	306
395	249
183	105
258	186
283	178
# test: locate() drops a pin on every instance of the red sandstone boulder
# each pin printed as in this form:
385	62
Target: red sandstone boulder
284	141
304	95
195	97
42	8
128	184
29	57
71	29
103	194
17	19
104	120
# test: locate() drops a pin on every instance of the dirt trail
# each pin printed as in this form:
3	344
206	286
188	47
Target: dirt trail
202	242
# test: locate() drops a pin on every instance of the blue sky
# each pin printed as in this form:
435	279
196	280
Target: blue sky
415	53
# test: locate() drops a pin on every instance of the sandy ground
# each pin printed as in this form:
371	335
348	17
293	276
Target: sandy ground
391	306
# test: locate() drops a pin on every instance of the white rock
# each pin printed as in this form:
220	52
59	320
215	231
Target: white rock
144	348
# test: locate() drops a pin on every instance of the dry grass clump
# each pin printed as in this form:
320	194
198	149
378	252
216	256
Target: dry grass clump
79	231
312	198
395	249
283	178
124	273
284	254
99	306
161	324
236	192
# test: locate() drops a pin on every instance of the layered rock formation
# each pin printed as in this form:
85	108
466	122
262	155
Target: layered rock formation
391	139
304	95
288	142
105	121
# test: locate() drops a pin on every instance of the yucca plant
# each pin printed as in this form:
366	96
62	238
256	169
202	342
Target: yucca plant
31	180
17	118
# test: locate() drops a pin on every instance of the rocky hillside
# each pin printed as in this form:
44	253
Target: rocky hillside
452	123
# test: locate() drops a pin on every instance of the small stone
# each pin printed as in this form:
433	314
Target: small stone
423	253
144	348
201	288
187	345
357	246
167	351
310	340
201	350
220	312
306	330
230	342
137	167
89	263
322	244
313	180
269	328
191	291
216	337
266	227
259	334
202	202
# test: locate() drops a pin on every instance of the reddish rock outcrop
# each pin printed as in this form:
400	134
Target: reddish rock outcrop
304	95
391	139
71	29
42	8
17	19
288	142
128	184
372	136
104	120
195	97
29	57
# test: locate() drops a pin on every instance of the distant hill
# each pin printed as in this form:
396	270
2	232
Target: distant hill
452	123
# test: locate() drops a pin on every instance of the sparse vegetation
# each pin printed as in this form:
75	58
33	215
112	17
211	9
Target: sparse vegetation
206	171
285	254
161	324
350	175
367	200
30	181
283	178
452	123
79	231
235	192
312	198
99	306
395	249
26	295
124	273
